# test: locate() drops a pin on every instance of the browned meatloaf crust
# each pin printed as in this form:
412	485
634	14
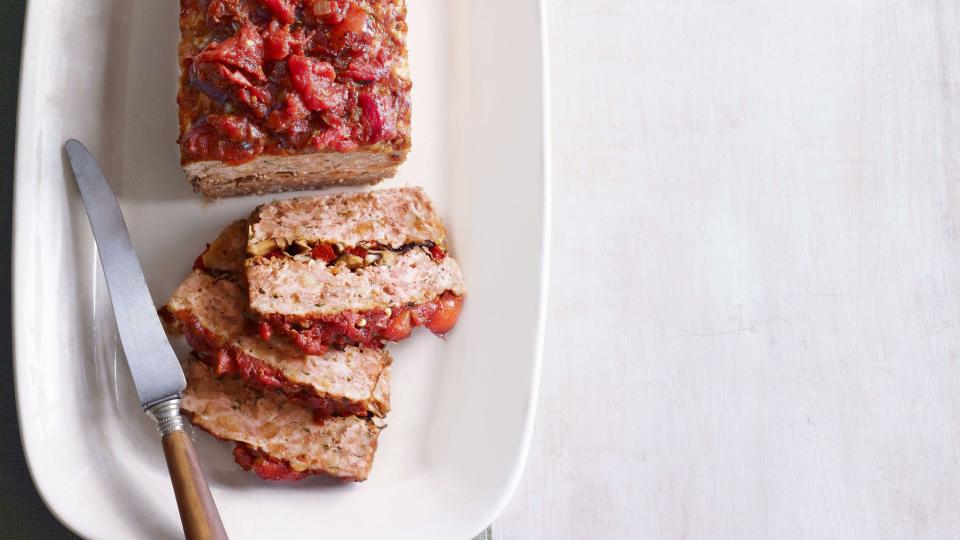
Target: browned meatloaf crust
278	439
279	95
356	268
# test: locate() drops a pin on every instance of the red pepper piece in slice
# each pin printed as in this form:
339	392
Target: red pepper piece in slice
323	252
437	253
358	251
265	467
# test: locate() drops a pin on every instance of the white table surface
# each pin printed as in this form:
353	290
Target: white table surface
753	322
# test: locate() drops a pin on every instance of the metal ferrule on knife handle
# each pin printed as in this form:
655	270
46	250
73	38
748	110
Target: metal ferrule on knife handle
167	415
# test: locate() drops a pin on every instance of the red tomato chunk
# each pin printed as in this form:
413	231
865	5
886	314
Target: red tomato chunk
313	80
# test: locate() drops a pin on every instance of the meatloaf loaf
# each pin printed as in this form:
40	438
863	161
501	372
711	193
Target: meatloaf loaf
351	269
280	95
278	439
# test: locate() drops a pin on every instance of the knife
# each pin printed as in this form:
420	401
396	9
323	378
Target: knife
156	372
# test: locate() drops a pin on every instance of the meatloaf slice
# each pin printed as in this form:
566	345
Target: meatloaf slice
226	254
389	217
209	309
278	439
210	313
350	269
279	95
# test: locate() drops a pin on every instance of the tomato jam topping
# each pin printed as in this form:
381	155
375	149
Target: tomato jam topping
368	328
228	361
291	76
265	466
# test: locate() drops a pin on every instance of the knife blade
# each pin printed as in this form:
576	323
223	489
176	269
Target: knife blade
156	372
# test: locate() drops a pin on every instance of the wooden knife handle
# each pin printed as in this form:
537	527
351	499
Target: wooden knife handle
198	511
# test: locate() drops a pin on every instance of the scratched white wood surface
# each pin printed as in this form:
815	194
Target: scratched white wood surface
754	321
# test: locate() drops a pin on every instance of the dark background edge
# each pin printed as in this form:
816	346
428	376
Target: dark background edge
22	512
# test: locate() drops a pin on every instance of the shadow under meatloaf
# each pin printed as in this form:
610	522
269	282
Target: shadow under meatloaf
275	438
351	268
209	309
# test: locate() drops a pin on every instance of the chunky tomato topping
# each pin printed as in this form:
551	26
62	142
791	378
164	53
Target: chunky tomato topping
264	330
244	456
398	326
256	99
235	128
313	79
370	328
283	10
225	360
222	362
445	314
276	41
292	118
233	77
228	139
326	11
250	368
355	22
232	139
370	117
221	10
265	467
338	58
244	51
336	138
364	71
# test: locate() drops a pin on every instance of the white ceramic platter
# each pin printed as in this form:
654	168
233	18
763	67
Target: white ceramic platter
104	71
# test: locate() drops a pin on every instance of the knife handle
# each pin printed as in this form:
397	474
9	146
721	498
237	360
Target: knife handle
198	511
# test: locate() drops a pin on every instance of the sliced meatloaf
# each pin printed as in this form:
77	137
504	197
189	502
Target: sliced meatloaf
209	309
389	217
280	95
227	253
351	269
277	439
